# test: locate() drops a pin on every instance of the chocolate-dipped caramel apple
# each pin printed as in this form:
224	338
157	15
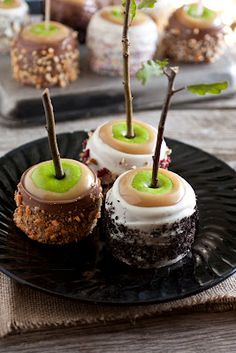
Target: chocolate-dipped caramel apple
151	213
45	55
74	13
194	33
13	16
58	201
104	41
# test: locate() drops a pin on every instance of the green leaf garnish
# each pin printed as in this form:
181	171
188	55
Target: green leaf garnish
212	88
147	4
133	9
151	68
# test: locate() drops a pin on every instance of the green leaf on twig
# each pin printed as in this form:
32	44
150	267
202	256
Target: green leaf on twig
133	9
147	4
151	68
213	88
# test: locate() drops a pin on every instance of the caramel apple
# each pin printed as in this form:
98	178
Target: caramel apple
109	153
105	45
13	16
191	36
58	201
150	227
45	56
74	13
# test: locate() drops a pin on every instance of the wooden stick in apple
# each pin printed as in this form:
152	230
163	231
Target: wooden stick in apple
200	8
47	13
52	138
126	71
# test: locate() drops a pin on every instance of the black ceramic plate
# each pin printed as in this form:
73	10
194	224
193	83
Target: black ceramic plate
87	272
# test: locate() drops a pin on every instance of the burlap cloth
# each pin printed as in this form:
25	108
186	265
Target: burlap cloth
23	308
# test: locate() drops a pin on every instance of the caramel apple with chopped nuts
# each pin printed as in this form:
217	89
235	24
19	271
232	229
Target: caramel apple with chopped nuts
194	33
58	201
45	55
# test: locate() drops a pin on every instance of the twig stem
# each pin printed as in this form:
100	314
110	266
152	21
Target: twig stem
52	138
200	8
170	73
47	13
126	72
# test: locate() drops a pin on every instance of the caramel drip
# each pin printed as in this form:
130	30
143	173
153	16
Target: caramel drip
193	22
145	199
13	5
87	180
106	135
139	19
62	33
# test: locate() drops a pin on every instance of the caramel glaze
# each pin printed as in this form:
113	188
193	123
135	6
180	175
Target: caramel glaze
187	26
138	20
14	5
84	203
145	199
58	41
87	179
106	135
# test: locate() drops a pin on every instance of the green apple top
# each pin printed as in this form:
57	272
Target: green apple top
40	181
135	188
40	32
9	4
114	132
188	15
115	14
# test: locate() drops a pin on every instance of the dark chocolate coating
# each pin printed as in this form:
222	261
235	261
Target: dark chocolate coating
74	15
84	203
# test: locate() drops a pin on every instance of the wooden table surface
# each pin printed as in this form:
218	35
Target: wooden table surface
206	127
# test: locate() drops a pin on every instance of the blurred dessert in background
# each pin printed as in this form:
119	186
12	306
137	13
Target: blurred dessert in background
13	15
194	35
44	56
74	13
104	41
